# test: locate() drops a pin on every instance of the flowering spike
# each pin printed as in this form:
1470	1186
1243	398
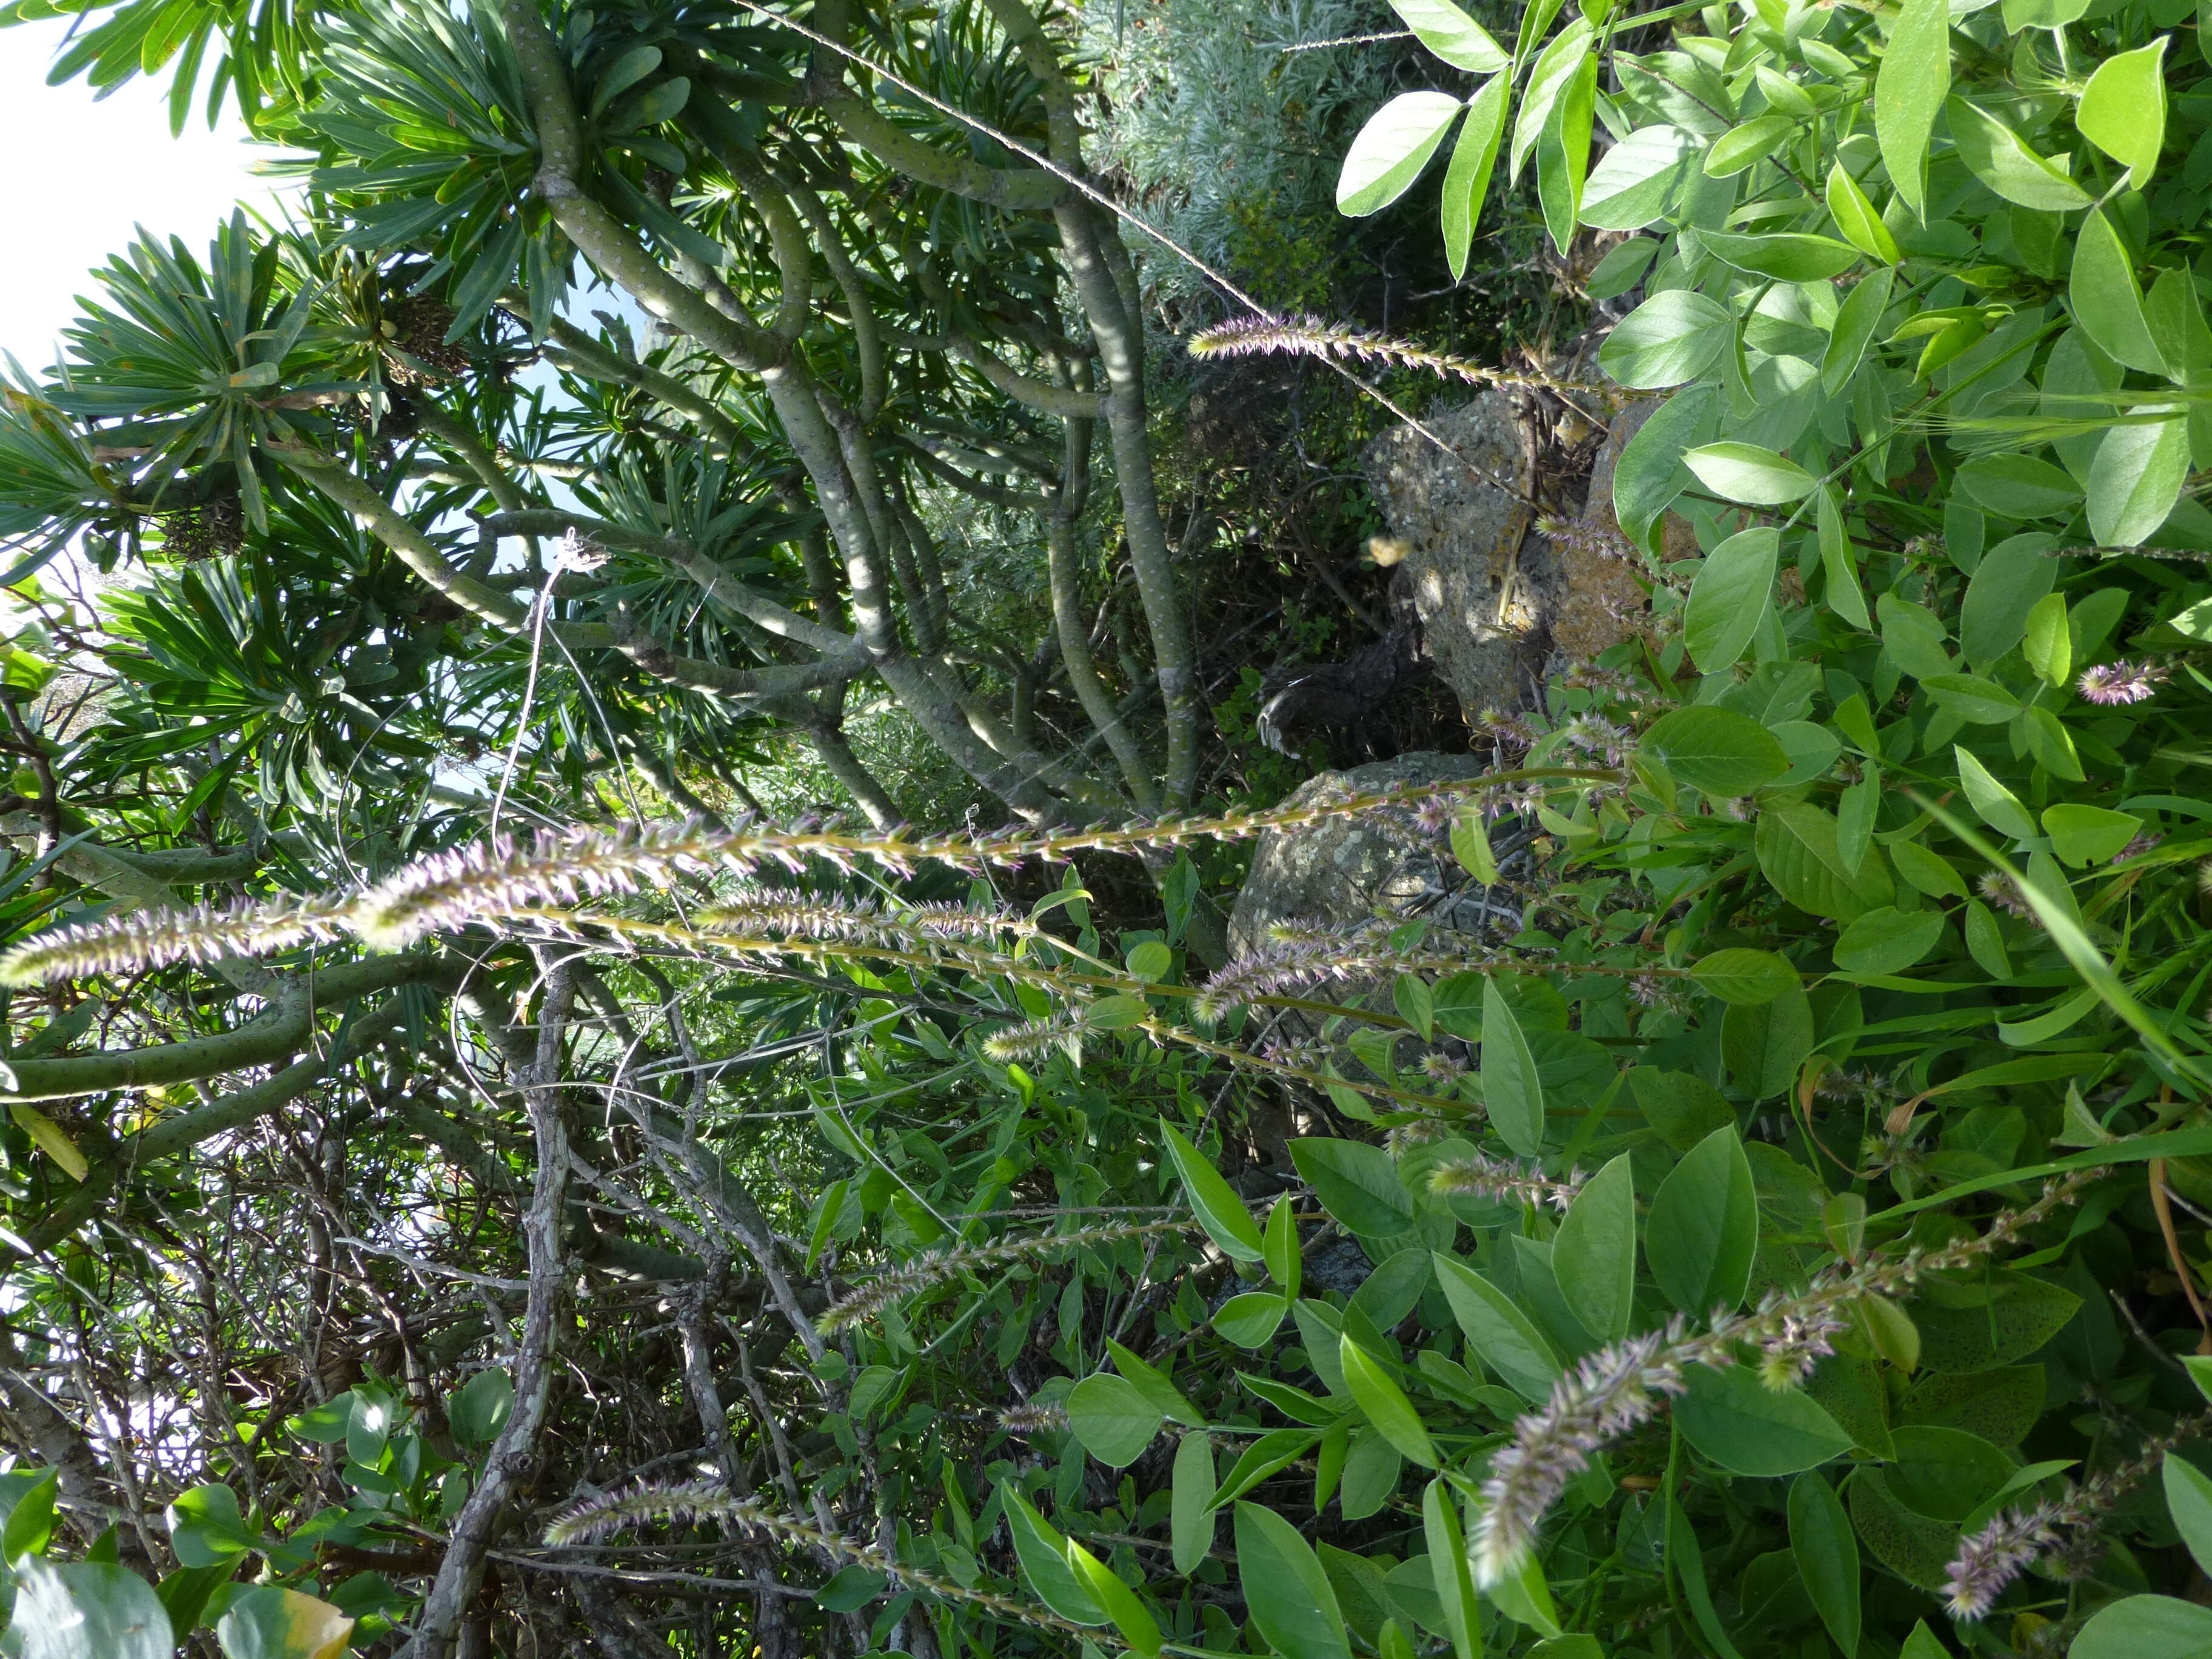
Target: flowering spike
1310	337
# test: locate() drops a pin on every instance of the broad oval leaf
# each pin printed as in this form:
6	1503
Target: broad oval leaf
2146	1627
1498	1330
1739	975
1213	1200
2000	159
1703	1231
2136	478
1454	36
1748	1428
1356	1183
87	1610
1749	473
1731	591
2107	300
1511	1090
1909	90
2122	110
1888	941
1715	750
1593	1254
1391	150
1788	256
1670	339
1288	1596
1112	1418
1637	180
1827	1554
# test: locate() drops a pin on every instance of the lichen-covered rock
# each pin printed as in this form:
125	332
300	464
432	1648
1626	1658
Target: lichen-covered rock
1348	869
1501	602
1483	579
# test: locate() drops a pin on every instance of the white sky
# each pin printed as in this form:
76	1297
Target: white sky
80	174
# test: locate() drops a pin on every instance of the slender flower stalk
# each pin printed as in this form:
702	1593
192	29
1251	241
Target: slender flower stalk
2018	1538
504	876
1473	1176
1617	1388
697	1501
1309	337
835	916
925	1272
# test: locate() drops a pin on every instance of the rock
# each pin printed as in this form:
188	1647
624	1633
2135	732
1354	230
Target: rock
1348	869
1501	602
1482	579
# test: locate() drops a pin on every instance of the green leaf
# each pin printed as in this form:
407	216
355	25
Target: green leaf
1994	804
2189	1500
1715	750
1212	1200
2122	110
1671	338
1356	1183
1191	1522
1637	180
480	1408
1137	1626
1763	1045
1799	851
1498	1330
2106	300
1747	143
1563	153
1622	267
1785	256
1151	961
1250	1319
2135	479
1384	1403
87	1610
205	1527
1982	702
1454	36
1929	872
2049	645
1858	219
1159	1391
1909	90
1391	150
1730	594
1857	321
1285	1263
2083	834
1703	1231
2013	578
2018	487
1470	845
1967	1329
2000	159
1511	1089
1741	976
1650	474
1289	1597
1043	1555
851	1588
1113	1418
1838	562
30	1512
266	1621
1593	1254
2146	1627
1448	1564
1467	179
1746	472
1827	1556
1888	941
1747	1428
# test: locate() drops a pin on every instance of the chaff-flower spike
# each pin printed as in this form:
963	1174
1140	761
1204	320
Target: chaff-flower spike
504	876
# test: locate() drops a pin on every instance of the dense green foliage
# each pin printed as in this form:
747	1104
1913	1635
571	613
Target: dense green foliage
1780	1229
